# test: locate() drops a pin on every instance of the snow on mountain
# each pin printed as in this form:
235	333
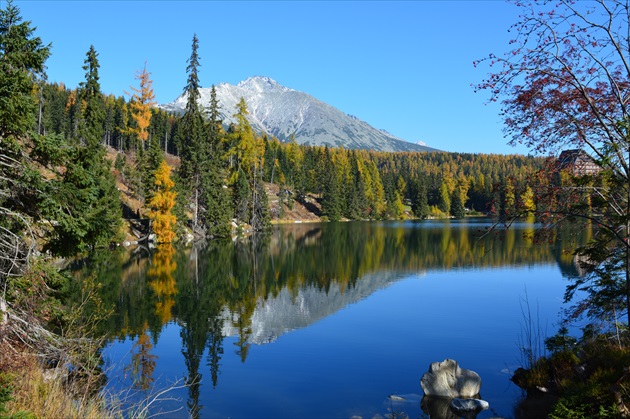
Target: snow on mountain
282	112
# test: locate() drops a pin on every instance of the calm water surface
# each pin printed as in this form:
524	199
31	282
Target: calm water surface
326	320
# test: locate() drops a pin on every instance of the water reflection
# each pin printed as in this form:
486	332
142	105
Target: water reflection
253	291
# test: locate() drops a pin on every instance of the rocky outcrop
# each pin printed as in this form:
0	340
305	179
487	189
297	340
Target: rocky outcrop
447	379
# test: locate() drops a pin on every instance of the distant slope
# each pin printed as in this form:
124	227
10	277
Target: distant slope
282	112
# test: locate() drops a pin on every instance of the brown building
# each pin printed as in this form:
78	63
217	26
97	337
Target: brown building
578	162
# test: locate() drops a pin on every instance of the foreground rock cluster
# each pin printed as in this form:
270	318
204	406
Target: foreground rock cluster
451	392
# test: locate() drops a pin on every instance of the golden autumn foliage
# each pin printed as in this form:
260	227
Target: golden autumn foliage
162	282
72	99
162	203
142	100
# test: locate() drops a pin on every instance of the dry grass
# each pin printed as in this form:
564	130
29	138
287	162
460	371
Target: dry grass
40	393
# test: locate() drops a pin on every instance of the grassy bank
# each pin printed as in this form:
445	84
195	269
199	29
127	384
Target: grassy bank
589	378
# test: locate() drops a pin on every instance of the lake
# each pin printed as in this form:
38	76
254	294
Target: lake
326	320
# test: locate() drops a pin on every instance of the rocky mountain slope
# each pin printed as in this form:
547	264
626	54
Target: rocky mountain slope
283	112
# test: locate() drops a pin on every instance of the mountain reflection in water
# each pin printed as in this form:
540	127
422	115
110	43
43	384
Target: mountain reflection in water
214	302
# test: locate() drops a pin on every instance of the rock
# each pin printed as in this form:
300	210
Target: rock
447	379
460	406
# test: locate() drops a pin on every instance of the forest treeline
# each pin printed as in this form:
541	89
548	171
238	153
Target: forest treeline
221	169
218	172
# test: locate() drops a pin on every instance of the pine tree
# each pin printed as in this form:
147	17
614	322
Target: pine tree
85	203
92	116
261	219
355	198
457	209
162	203
331	197
241	193
22	59
216	199
419	199
191	137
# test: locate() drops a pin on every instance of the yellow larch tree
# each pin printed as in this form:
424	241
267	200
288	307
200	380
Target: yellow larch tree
162	203
142	100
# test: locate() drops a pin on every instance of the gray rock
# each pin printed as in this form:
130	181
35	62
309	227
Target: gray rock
447	379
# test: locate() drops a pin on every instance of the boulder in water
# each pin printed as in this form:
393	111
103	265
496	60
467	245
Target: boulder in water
447	379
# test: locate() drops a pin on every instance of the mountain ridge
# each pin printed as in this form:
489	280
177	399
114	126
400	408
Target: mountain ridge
286	113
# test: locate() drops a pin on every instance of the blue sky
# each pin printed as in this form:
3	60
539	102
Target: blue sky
403	66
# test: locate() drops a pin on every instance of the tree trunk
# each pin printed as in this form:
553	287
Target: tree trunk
195	212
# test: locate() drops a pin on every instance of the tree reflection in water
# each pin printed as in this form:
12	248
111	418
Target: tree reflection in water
214	290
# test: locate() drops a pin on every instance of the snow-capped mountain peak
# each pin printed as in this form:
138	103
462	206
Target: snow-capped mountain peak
286	113
262	84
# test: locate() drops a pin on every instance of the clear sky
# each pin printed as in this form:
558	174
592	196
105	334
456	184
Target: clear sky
402	66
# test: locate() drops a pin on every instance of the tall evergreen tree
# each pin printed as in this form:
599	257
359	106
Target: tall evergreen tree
85	203
91	103
419	199
22	58
457	206
331	196
192	139
241	193
261	219
216	199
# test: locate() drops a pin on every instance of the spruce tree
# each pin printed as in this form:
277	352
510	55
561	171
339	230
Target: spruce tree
192	140
216	199
241	193
357	205
92	106
457	205
22	59
331	197
85	203
261	219
419	197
